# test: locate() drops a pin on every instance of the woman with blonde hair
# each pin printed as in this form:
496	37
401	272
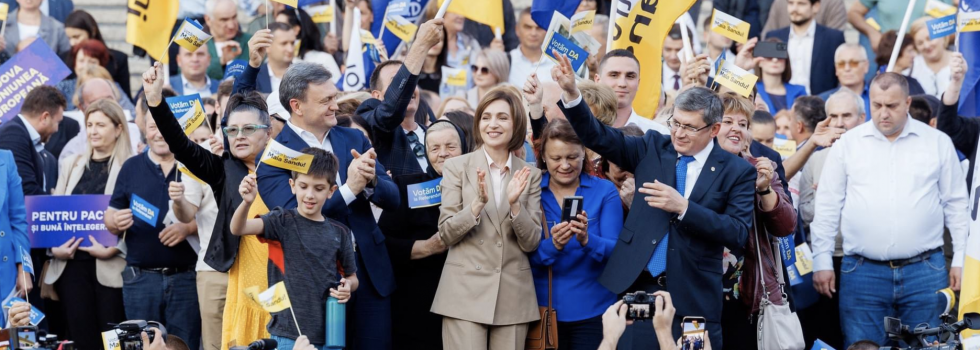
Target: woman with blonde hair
88	280
931	66
490	68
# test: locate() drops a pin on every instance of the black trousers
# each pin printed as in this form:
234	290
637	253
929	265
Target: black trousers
89	306
737	326
822	319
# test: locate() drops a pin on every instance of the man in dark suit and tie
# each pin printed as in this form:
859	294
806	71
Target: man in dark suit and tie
695	199
25	135
810	46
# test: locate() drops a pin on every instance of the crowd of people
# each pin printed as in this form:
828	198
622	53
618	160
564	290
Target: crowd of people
691	204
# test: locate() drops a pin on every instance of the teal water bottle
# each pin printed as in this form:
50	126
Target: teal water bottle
336	324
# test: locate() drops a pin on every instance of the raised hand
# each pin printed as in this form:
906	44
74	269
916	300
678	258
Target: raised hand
217	147
517	185
153	85
825	135
230	51
430	33
248	189
533	93
361	170
564	75
664	197
696	71
482	198
764	172
745	59
66	251
258	46
176	192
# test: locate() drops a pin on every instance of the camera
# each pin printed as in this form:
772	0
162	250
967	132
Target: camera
639	305
915	338
130	333
29	337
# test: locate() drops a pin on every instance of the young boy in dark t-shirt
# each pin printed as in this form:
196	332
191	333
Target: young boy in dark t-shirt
312	245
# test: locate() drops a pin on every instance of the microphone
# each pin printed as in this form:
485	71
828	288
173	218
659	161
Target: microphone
263	344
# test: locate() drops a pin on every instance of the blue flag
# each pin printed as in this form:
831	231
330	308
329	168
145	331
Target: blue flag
820	345
542	10
969	46
410	9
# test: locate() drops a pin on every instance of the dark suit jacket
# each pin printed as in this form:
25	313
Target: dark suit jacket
254	79
385	118
15	138
719	214
67	130
273	185
825	43
177	83
964	133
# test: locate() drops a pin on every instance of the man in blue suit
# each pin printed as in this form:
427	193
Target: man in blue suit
193	77
311	99
695	199
810	46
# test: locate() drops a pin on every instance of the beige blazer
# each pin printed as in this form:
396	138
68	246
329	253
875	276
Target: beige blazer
487	276
109	271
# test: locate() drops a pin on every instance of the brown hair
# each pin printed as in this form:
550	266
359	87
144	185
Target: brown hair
601	99
517	114
887	43
561	130
735	104
787	72
44	98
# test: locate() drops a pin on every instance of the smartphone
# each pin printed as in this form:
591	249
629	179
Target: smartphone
770	49
571	208
693	338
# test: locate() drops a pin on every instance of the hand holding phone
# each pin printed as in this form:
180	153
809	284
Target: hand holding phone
571	208
693	337
769	49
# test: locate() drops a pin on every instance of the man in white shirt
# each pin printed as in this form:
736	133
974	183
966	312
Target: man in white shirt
528	57
672	79
620	70
889	187
193	77
801	34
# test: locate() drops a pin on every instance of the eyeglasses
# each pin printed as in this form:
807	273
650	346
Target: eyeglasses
675	125
482	70
247	130
851	63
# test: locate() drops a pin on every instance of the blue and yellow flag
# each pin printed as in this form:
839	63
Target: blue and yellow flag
191	35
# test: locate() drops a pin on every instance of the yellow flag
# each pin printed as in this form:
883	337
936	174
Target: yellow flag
149	24
489	12
641	26
968	21
970	288
193	118
4	8
729	26
292	3
734	77
321	13
784	147
190	36
274	299
454	76
187	172
283	157
401	27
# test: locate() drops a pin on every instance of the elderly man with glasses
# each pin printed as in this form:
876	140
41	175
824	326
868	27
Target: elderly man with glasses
851	62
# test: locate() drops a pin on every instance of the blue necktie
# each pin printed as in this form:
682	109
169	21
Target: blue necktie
658	262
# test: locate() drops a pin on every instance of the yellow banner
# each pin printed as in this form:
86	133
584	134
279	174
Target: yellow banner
193	118
968	21
187	172
454	76
274	299
366	37
489	12
4	8
149	24
191	37
938	9
583	21
401	27
729	26
641	26
283	157
737	79
321	14
784	147
292	3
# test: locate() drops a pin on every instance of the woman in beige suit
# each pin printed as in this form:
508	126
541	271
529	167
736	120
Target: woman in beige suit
88	280
490	219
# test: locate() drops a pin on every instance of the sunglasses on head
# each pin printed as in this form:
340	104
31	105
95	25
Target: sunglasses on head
481	70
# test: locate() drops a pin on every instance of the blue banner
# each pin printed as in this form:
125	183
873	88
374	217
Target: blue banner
575	54
969	45
542	10
425	194
411	10
36	315
181	104
26	261
53	220
820	345
33	66
143	210
788	252
941	27
234	69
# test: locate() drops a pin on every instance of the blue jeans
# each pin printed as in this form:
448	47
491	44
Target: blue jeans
168	299
870	291
288	344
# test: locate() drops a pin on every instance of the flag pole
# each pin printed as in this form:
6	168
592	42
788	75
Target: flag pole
612	25
384	23
267	9
294	321
333	23
901	36
443	8
23	281
687	52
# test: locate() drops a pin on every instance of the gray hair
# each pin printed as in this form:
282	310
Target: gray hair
846	46
497	62
603	22
210	5
700	99
844	94
297	81
78	99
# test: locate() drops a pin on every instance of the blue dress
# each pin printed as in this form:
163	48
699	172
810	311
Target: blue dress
792	92
14	242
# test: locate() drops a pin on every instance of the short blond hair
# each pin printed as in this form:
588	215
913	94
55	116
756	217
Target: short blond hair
601	99
920	24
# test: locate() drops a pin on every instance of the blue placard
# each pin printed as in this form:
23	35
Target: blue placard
26	261
33	66
575	54
144	210
425	194
234	68
53	220
399	8
788	252
941	27
181	104
820	345
36	315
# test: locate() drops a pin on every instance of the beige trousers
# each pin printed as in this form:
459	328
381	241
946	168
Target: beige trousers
211	289
465	335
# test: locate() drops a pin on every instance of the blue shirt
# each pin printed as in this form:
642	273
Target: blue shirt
141	176
576	269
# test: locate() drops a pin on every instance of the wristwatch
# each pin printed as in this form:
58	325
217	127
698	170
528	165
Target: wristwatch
768	190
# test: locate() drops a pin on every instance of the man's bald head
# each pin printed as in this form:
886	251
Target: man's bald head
95	89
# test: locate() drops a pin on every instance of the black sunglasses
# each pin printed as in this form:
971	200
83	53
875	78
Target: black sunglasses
481	70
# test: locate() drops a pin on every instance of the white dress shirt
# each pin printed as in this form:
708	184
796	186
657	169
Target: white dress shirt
521	68
497	175
668	78
800	49
933	83
890	200
424	163
274	80
312	141
190	89
647	124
